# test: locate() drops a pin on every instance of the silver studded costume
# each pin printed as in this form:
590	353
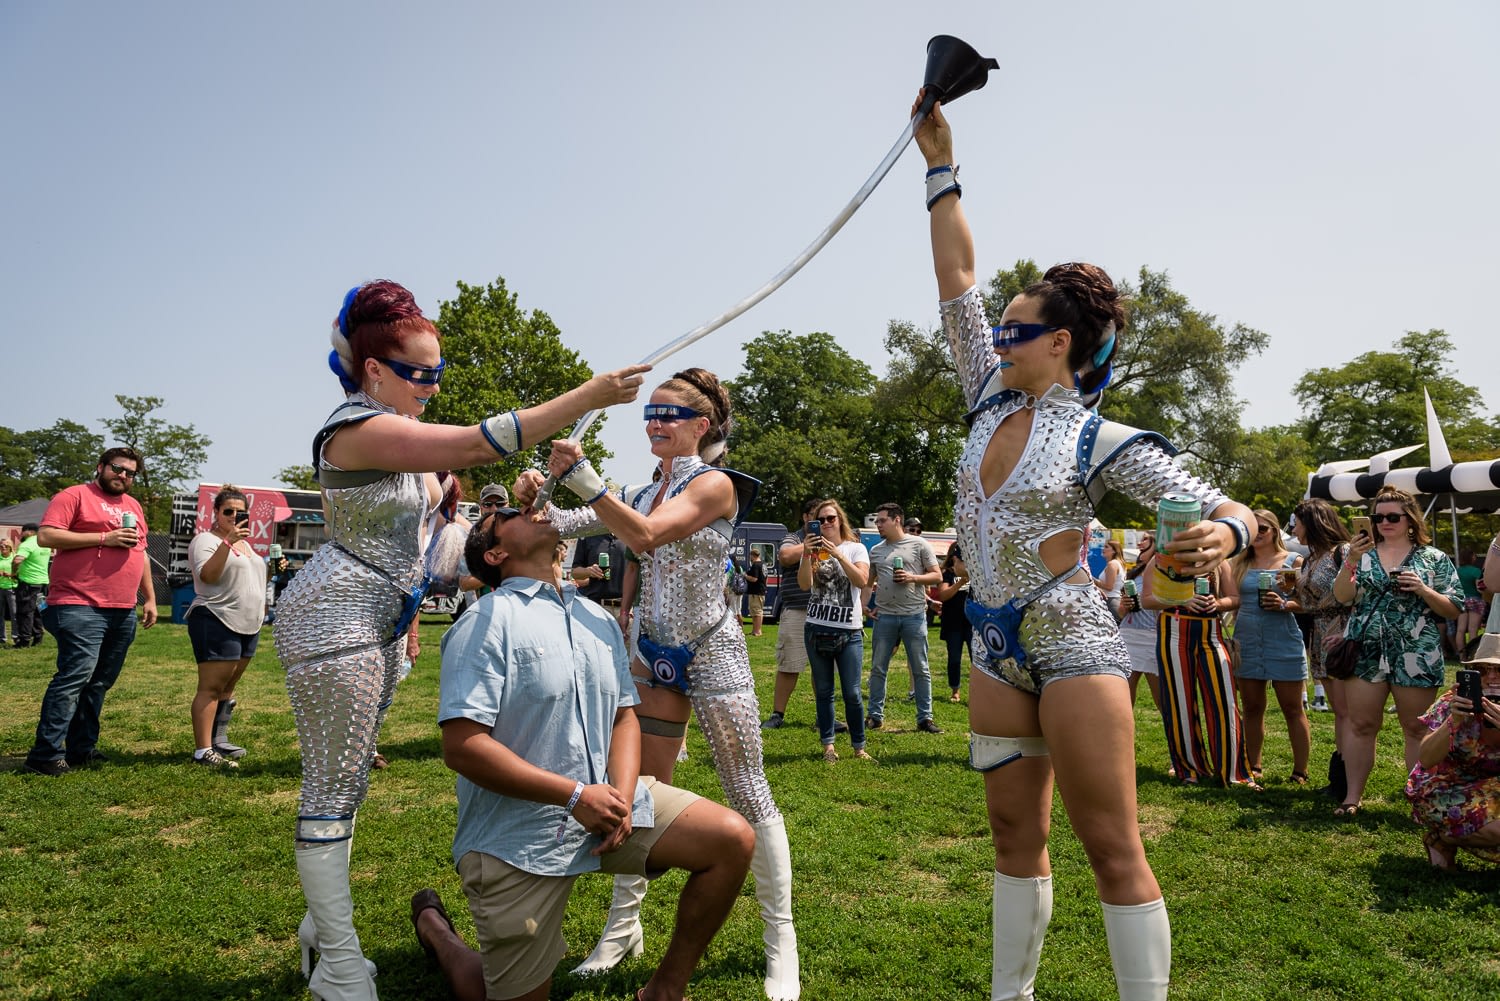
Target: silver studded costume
682	599
1071	457
334	633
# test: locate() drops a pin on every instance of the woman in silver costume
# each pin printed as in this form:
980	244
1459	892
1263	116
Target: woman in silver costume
1049	695
681	526
341	623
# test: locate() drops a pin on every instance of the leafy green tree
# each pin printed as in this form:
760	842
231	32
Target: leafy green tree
917	430
1265	467
501	358
298	477
40	463
172	453
1374	403
802	407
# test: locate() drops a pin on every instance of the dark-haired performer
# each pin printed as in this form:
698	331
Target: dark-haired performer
1060	704
682	526
341	623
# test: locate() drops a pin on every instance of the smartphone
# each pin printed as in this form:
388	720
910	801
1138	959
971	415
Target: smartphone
1362	526
1470	688
242	517
813	528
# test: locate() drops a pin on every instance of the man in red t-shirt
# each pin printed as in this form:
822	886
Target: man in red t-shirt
99	534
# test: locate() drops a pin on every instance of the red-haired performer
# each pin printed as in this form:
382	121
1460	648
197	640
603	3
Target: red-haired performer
341	623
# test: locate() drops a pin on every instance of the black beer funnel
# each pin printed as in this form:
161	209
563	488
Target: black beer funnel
953	69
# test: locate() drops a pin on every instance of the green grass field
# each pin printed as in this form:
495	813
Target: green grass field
150	878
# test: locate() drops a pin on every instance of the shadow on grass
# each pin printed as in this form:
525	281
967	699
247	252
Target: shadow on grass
1406	881
152	985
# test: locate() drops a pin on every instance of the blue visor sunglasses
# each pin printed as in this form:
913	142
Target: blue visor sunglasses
669	412
416	373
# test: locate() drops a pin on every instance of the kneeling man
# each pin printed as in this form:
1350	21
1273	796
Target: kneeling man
537	722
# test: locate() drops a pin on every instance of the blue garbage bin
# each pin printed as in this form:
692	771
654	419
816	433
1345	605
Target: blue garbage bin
182	597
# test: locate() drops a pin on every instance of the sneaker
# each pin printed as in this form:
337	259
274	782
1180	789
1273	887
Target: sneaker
873	722
213	759
928	726
94	757
1319	704
839	726
775	721
52	768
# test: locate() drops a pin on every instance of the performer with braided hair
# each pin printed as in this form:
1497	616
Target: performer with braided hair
341	623
1049	694
691	654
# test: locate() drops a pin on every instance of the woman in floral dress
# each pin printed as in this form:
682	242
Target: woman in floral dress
1455	788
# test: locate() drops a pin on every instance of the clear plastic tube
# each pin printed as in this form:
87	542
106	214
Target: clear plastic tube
778	280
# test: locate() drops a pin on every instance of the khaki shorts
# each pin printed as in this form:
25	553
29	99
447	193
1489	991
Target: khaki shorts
791	650
518	915
757	603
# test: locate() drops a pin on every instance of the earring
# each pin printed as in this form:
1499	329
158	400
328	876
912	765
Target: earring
376	391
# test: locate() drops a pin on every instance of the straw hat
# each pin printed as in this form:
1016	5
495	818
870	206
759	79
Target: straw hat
1487	651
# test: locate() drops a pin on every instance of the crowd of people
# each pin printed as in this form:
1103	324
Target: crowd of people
563	719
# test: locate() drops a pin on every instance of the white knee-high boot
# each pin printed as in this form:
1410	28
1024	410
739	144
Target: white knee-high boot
341	973
771	865
1022	911
1140	948
622	932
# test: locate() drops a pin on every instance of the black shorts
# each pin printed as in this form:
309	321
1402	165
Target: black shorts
212	640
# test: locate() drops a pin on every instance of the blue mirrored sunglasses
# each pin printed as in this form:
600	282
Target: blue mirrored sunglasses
415	373
669	412
1008	335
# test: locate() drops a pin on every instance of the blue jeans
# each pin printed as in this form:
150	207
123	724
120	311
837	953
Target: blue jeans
912	631
91	646
849	663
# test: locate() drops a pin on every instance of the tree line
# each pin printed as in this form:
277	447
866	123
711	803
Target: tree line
812	420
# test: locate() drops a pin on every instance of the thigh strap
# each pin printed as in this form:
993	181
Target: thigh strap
661	727
987	753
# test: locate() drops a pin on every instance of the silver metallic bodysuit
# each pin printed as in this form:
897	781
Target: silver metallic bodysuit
1069	630
681	600
334	635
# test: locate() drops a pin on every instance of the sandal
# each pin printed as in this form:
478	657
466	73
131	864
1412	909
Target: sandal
1441	854
428	900
830	755
1299	779
1346	810
863	755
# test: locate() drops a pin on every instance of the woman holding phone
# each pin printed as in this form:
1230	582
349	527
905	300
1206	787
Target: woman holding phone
1400	587
342	623
224	620
835	570
1049	696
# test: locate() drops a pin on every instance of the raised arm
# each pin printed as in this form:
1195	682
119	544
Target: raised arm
952	244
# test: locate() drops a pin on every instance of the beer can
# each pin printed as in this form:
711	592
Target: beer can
1267	580
1200	586
897	563
275	552
604	561
1130	589
1175	513
127	520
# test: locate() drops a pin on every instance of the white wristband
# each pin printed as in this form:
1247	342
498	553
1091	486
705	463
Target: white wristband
940	181
583	481
568	810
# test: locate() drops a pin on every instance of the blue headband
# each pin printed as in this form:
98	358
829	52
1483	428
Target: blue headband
669	412
1102	355
344	310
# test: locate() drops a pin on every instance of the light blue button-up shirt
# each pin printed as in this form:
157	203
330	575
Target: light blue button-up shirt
546	672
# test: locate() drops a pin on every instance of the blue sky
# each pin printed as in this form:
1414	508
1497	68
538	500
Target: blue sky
191	187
